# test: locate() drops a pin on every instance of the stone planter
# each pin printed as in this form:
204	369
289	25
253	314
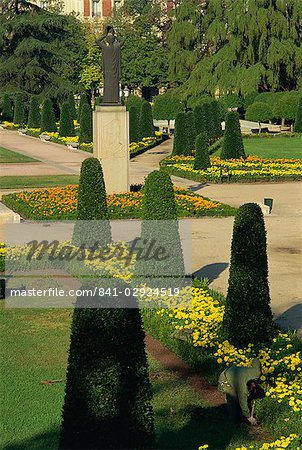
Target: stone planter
44	137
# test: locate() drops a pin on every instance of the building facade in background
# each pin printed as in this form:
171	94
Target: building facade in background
85	8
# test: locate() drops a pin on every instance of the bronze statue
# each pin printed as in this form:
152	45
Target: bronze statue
111	53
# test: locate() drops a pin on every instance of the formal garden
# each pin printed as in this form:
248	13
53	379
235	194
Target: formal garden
206	108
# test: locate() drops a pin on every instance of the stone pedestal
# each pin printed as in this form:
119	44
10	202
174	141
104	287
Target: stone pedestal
111	146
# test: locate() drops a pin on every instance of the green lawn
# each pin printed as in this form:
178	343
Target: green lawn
8	156
273	147
39	181
34	347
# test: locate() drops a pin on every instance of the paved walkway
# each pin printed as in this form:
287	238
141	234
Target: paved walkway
211	237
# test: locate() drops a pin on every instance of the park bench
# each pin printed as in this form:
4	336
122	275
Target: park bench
225	173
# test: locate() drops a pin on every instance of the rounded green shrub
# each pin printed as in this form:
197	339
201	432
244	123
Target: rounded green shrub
48	119
180	141
34	116
158	201
19	110
259	112
134	126
232	143
146	120
191	131
248	317
86	124
66	122
202	159
7	108
134	100
298	121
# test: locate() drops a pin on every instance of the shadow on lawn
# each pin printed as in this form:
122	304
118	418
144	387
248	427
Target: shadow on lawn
43	441
211	271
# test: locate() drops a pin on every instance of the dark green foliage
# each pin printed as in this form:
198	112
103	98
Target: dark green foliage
19	109
216	119
202	159
134	125
210	127
298	121
48	119
200	119
86	124
83	99
34	116
248	318
108	394
146	120
232	143
180	146
7	108
134	100
159	201
73	111
66	122
259	112
167	106
92	206
191	131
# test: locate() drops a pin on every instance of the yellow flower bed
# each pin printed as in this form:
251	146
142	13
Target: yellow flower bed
292	442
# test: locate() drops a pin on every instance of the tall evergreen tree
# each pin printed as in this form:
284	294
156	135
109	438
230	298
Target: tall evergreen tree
48	119
146	120
248	317
255	51
66	122
19	109
298	121
134	126
34	116
182	38
191	131
232	143
7	108
180	141
86	124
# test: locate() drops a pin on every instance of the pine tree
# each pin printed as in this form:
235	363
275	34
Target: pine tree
83	100
66	122
48	119
191	131
86	124
298	121
180	143
202	159
248	317
232	143
19	109
146	120
182	38
34	116
134	126
7	108
73	111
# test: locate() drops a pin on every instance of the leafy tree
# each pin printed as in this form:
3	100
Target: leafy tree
7	108
19	109
66	122
86	124
248	317
146	120
73	111
134	126
180	143
48	119
259	112
298	121
34	116
40	51
232	143
182	38
191	131
259	50
285	105
166	107
202	159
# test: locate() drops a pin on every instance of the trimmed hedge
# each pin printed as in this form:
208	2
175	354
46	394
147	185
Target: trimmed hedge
232	143
7	108
191	131
73	111
201	119
202	159
83	99
248	317
180	146
146	120
34	116
134	125
66	121
48	119
19	116
86	124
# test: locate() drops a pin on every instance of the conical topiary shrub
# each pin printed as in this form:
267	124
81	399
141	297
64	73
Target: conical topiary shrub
73	111
86	124
248	318
134	126
7	108
19	110
66	122
202	159
34	116
191	132
216	119
298	120
48	119
83	100
232	143
200	119
146	120
180	142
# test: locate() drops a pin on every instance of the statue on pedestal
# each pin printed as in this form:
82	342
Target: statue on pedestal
111	53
